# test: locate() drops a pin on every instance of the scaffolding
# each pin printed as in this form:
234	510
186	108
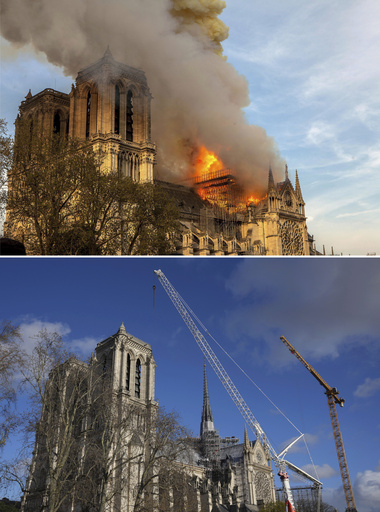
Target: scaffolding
221	189
306	499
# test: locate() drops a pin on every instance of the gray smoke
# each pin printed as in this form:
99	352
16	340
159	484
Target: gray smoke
198	96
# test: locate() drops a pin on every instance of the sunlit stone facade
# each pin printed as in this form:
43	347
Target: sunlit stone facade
109	105
222	476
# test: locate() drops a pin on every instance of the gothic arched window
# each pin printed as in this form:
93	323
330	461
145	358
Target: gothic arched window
57	123
104	365
117	109
88	112
137	378
128	376
129	135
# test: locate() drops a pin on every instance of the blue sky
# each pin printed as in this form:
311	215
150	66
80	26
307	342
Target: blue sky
327	308
313	70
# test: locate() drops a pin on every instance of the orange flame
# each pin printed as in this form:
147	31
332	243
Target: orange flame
207	162
207	166
255	200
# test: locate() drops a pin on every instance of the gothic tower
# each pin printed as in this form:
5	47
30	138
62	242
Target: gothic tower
129	369
110	106
131	365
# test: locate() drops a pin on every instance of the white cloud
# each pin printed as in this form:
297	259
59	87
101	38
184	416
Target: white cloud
85	346
319	132
368	388
31	327
367	491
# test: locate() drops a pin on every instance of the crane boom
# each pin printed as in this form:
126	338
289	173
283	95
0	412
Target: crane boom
215	364
332	399
230	386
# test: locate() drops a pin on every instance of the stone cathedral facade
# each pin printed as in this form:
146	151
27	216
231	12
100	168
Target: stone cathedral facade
109	105
217	474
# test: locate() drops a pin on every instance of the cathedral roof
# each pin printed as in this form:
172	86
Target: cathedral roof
235	452
186	198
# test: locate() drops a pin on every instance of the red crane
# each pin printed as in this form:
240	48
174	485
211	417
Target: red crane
332	399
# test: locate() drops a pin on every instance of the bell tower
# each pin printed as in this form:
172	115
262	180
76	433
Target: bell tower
131	366
110	106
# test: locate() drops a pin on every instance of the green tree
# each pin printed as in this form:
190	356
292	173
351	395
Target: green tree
61	202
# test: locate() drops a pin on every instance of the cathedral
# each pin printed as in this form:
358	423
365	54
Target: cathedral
215	474
109	105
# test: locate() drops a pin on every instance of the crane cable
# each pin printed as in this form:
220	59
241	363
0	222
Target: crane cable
248	377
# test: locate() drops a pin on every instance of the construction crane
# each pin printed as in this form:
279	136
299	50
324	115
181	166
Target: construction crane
332	399
184	310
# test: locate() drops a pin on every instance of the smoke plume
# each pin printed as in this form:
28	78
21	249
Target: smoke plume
198	95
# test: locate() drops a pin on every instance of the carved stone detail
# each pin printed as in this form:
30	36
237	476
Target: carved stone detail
292	239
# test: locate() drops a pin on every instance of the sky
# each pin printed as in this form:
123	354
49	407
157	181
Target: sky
313	72
327	308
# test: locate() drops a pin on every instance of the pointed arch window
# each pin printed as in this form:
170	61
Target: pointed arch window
129	135
128	375
104	365
88	114
138	378
57	123
117	109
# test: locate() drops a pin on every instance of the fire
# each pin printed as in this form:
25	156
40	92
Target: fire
255	200
219	185
207	162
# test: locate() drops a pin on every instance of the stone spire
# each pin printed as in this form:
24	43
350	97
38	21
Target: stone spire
122	329
270	180
286	173
207	422
298	187
107	53
246	438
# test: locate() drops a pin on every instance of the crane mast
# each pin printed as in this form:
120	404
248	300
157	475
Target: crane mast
332	399
231	388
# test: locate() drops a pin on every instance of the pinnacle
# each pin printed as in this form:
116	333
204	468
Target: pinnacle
246	438
298	187
108	53
122	329
270	179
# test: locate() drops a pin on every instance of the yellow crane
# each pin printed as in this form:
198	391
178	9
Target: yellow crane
332	399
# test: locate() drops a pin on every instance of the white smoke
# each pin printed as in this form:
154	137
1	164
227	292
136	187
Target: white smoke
198	95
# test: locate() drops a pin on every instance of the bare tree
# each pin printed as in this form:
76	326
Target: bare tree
56	383
11	361
94	446
127	447
166	445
